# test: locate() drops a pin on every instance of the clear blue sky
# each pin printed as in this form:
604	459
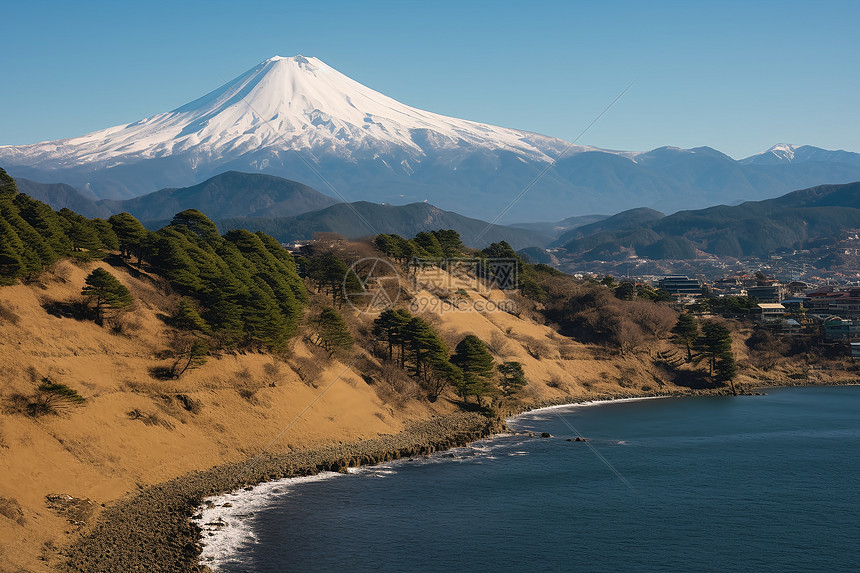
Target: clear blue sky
737	76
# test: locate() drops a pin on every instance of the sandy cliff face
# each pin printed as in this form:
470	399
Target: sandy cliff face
135	430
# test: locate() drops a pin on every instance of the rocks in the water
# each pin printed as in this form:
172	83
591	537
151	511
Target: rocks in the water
545	435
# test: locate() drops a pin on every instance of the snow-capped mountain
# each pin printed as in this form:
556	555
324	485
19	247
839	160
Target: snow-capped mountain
301	119
787	153
281	104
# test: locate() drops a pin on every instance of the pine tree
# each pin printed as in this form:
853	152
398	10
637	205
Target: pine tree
198	224
81	231
106	291
7	184
441	375
388	327
11	247
449	240
187	317
513	378
171	258
425	344
726	368
263	320
107	236
686	331
332	332
45	221
476	362
130	234
716	346
194	356
430	243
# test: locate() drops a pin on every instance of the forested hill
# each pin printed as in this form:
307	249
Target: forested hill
363	219
229	194
242	288
754	228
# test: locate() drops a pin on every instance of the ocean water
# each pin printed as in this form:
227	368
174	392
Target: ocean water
753	483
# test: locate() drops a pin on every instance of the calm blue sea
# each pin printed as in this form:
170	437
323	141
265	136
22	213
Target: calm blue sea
756	483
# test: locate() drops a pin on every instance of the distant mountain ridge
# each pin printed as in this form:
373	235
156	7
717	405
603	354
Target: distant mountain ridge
371	219
301	119
230	194
754	228
284	209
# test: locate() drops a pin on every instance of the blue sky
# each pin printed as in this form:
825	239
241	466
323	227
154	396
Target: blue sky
737	76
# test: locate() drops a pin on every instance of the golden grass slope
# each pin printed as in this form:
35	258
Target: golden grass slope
135	430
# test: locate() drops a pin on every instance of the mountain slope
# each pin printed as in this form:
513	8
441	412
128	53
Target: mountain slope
231	194
362	219
625	220
59	195
754	228
303	120
783	153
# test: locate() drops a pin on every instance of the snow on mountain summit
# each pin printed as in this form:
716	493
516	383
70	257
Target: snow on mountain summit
787	153
284	103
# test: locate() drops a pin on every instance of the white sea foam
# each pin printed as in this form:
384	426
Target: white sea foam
536	413
226	529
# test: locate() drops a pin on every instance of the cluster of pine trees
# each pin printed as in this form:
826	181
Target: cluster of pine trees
429	246
33	236
245	283
712	343
425	245
414	345
244	287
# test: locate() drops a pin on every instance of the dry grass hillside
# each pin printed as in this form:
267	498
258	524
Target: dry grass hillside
135	428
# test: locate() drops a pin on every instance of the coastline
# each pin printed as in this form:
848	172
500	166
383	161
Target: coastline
153	529
218	514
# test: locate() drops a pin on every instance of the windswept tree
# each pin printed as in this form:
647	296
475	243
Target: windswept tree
11	253
686	332
187	317
193	356
331	331
440	376
333	277
81	231
425	345
513	379
103	289
389	328
716	345
132	236
51	398
476	362
7	184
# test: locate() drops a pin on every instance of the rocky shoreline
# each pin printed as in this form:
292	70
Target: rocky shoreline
151	531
